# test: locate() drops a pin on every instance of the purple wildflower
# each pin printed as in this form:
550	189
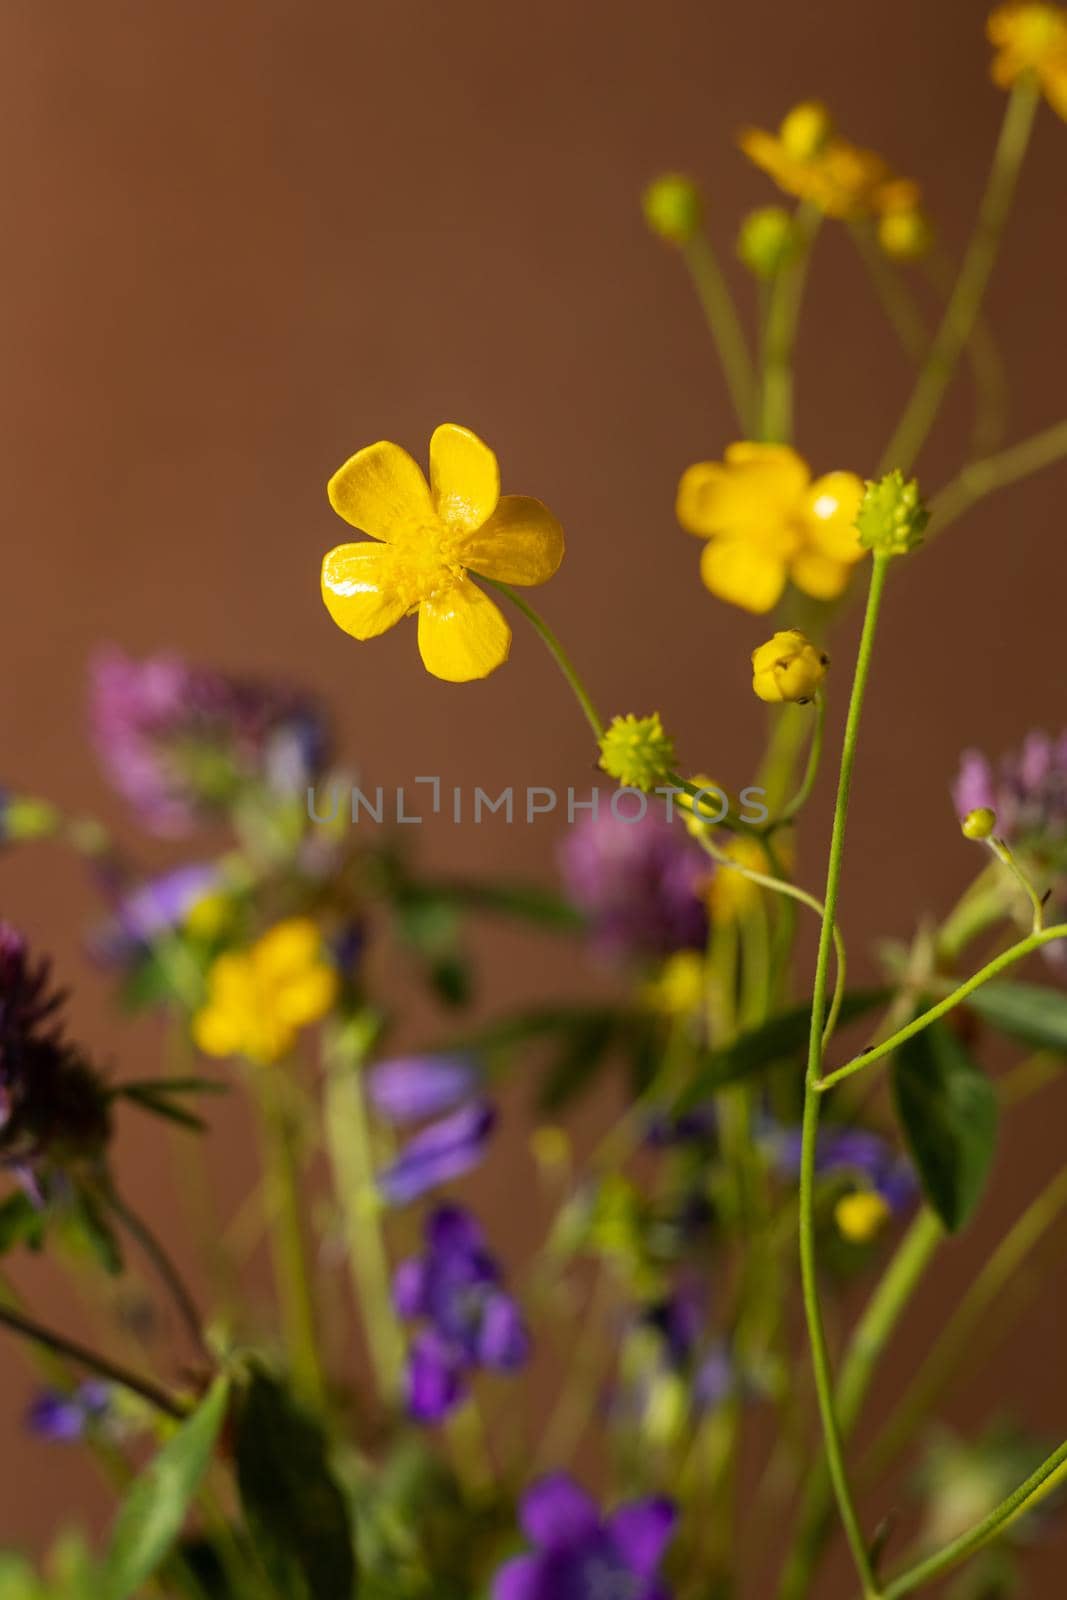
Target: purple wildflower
640	884
454	1289
413	1088
52	1105
179	742
852	1151
578	1553
154	908
442	1151
66	1418
1027	790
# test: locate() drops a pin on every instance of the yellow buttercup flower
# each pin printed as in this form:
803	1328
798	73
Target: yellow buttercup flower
679	988
432	536
767	522
730	894
861	1215
788	668
1032	38
258	999
807	159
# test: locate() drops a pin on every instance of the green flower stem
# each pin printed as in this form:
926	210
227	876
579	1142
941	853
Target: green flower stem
820	1354
811	772
965	302
559	655
292	1274
980	478
82	1356
987	364
168	1273
1047	1477
1007	958
788	728
946	1357
871	1336
783	887
351	1156
1004	854
725	328
783	312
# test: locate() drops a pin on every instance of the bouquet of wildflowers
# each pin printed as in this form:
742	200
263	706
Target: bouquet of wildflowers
665	1400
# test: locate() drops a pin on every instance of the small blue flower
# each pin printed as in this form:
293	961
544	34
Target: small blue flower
470	1322
442	1151
414	1088
855	1151
579	1554
66	1418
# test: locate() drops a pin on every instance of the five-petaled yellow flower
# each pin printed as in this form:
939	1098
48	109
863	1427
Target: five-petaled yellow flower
1032	38
432	535
806	158
766	521
258	999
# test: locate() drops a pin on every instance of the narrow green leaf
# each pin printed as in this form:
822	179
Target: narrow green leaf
779	1039
21	1222
150	1519
948	1111
1028	1011
294	1508
582	1052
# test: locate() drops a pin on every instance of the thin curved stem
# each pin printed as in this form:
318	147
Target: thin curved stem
811	771
71	1350
176	1286
724	325
558	653
980	478
1007	958
958	322
820	1353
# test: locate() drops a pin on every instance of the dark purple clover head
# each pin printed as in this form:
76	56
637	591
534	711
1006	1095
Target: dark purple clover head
1027	790
640	883
579	1554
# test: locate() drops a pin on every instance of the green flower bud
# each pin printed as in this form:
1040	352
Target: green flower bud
22	817
891	517
637	752
672	207
980	824
766	240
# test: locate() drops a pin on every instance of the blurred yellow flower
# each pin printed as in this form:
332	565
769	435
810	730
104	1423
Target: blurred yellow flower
258	999
1032	38
704	812
766	522
730	894
431	536
861	1215
679	988
807	159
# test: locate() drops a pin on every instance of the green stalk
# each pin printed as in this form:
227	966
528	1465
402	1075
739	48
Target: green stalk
559	655
82	1356
872	1334
808	1264
725	328
980	478
1007	958
783	313
811	771
351	1155
961	313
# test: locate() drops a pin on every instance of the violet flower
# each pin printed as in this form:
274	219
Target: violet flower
66	1418
1027	790
413	1088
469	1320
640	883
579	1554
154	908
855	1151
440	1152
179	742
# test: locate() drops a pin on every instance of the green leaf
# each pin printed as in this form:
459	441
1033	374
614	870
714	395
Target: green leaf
150	1519
582	1052
529	1027
295	1510
525	901
781	1038
1028	1011
21	1222
948	1111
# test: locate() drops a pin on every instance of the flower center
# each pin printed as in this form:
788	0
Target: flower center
426	564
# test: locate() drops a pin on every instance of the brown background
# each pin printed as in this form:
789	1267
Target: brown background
242	239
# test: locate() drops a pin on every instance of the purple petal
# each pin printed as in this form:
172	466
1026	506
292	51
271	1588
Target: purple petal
441	1152
57	1417
409	1289
413	1088
642	1531
452	1231
974	788
557	1514
525	1578
503	1342
436	1378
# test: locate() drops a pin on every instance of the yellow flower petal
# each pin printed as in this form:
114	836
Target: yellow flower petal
358	590
743	574
382	491
464	477
521	543
754	491
819	575
830	508
215	1033
304	999
288	949
462	634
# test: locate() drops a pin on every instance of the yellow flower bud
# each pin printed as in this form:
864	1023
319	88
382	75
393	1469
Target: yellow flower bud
904	235
805	130
788	668
980	824
860	1216
637	752
672	207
